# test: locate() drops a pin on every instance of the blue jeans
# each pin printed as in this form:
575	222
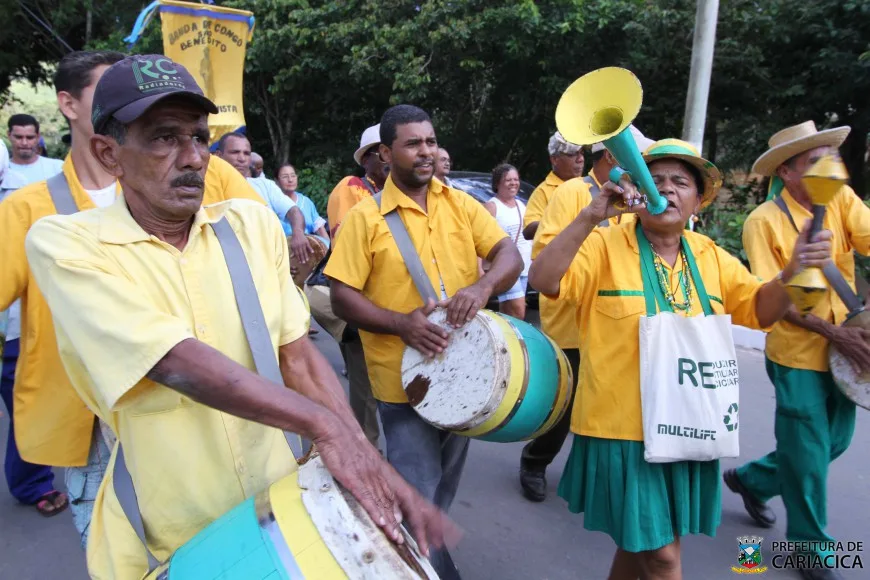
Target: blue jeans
27	481
83	483
429	459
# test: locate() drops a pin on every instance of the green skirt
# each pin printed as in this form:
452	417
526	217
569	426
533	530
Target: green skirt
640	505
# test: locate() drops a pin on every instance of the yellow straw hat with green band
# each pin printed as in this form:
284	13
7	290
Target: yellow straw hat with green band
678	149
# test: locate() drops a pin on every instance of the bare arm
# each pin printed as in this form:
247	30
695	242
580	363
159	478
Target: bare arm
298	242
296	220
207	376
306	371
530	230
202	373
555	258
490	207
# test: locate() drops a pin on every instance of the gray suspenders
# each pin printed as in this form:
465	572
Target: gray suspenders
409	253
257	334
835	278
594	190
61	196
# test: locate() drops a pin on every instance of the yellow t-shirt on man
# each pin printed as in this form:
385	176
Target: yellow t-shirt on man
454	232
52	425
121	300
769	240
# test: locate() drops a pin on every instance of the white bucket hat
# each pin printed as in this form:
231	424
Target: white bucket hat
795	140
370	137
642	142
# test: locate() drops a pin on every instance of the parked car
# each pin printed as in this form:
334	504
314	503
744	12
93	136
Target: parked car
479	186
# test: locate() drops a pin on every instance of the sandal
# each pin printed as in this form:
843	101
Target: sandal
47	505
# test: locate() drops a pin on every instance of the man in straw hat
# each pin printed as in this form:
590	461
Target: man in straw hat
814	421
557	315
567	162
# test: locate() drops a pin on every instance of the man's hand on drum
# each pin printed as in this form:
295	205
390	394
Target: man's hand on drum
300	247
854	344
615	200
464	305
382	492
416	331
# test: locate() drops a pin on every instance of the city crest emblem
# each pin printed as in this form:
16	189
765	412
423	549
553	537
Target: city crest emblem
749	555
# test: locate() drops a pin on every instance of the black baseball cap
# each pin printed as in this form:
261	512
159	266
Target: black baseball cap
131	86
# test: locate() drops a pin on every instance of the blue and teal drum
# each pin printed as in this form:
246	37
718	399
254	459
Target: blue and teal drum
499	379
305	526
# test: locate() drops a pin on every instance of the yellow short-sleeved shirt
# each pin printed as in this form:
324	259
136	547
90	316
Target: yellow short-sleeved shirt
558	316
449	238
769	240
52	425
540	198
121	299
349	192
605	284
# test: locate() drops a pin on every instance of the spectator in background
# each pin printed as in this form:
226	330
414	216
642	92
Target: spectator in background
509	211
567	162
257	166
10	180
26	158
236	150
314	224
442	166
353	189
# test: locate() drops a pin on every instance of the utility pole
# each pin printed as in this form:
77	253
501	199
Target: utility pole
702	67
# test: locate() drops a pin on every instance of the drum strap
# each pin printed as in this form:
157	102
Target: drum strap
265	361
832	273
594	191
61	196
409	253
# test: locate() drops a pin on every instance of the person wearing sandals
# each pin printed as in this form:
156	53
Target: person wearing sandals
508	211
623	280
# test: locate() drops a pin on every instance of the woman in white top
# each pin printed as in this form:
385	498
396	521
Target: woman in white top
509	213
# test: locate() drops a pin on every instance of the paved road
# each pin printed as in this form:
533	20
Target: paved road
507	537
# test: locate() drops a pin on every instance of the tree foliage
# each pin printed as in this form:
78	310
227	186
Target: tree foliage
491	72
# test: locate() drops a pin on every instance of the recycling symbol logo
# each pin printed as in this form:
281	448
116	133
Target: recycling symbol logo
730	418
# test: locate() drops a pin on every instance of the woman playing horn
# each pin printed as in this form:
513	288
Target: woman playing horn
629	283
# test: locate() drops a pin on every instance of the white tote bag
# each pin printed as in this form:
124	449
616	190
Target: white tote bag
689	386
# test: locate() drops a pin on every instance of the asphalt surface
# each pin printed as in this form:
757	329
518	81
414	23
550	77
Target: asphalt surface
507	537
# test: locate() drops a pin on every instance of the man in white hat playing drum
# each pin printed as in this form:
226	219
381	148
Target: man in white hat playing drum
814	421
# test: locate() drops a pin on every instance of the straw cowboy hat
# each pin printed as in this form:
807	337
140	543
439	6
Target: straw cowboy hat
795	140
686	152
370	138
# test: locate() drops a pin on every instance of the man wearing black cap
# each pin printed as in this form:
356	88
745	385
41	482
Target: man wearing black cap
149	332
52	424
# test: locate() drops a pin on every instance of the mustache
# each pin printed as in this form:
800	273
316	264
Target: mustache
189	180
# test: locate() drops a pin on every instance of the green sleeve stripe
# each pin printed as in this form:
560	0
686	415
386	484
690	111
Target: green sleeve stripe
620	292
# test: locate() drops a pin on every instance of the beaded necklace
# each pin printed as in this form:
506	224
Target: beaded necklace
685	282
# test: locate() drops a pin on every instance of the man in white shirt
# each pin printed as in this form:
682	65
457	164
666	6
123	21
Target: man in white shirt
26	160
235	149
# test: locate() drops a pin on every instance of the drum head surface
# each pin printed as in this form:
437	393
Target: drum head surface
459	388
855	386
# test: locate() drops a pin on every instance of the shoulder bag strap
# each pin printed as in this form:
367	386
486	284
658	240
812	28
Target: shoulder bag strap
265	361
368	186
835	278
61	196
652	292
696	278
409	253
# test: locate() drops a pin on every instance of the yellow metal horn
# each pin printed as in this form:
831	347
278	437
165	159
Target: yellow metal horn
599	107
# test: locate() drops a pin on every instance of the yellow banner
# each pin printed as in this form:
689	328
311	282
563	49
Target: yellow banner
210	42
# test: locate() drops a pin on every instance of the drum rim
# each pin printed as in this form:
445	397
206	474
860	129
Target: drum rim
491	423
562	402
502	374
836	358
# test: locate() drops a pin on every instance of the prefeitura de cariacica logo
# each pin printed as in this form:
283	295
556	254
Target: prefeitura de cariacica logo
749	555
